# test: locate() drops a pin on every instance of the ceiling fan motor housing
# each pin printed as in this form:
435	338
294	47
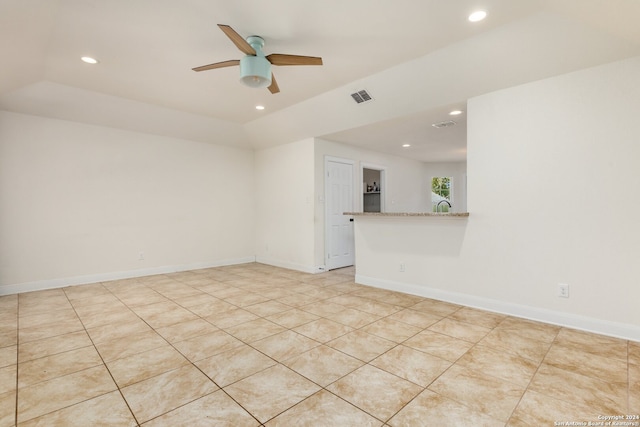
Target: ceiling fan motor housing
255	71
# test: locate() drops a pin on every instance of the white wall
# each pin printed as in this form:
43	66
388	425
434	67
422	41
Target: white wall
458	172
553	185
290	197
285	206
78	203
406	188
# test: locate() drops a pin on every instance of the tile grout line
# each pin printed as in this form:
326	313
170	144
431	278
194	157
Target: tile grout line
475	344
192	363
441	374
365	363
326	315
93	343
534	375
60	376
104	363
580	374
342	293
287	367
266	355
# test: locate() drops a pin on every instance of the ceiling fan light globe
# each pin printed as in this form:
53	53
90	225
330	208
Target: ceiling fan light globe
255	71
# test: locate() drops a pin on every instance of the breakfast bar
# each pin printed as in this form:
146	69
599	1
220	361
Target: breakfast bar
412	214
407	247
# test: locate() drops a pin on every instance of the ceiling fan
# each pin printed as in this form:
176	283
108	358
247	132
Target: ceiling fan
255	67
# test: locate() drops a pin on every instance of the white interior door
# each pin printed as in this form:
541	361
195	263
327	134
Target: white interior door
339	199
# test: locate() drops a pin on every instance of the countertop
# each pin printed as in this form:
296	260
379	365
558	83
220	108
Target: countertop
396	214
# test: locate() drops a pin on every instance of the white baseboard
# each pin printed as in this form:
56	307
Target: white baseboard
290	265
41	285
584	323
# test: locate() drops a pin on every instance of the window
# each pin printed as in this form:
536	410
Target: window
441	188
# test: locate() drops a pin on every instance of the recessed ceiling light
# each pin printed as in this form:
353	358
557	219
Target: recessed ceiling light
455	113
89	60
406	145
259	107
477	16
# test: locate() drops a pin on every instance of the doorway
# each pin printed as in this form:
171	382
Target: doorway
373	187
339	240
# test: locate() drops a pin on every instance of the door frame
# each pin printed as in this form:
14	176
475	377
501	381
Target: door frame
327	194
383	184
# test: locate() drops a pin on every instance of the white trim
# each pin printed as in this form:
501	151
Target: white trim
41	285
291	266
589	324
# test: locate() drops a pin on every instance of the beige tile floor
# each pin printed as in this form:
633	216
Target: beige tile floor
253	345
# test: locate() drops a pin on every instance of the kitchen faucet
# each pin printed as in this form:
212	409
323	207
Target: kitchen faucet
440	202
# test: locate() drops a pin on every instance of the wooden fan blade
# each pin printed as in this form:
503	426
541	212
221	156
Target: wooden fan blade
223	64
273	88
238	40
283	59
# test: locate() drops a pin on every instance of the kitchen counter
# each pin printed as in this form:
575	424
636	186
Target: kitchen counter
412	214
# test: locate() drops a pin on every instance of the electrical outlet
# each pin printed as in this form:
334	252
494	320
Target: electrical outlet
141	256
563	290
402	267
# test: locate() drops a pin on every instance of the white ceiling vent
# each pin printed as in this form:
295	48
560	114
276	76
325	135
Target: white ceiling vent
361	96
446	124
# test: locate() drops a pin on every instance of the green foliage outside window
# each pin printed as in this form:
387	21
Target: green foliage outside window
440	189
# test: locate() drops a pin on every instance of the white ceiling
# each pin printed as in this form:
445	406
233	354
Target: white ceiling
418	58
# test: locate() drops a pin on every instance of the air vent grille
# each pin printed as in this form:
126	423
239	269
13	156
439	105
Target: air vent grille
361	96
446	124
